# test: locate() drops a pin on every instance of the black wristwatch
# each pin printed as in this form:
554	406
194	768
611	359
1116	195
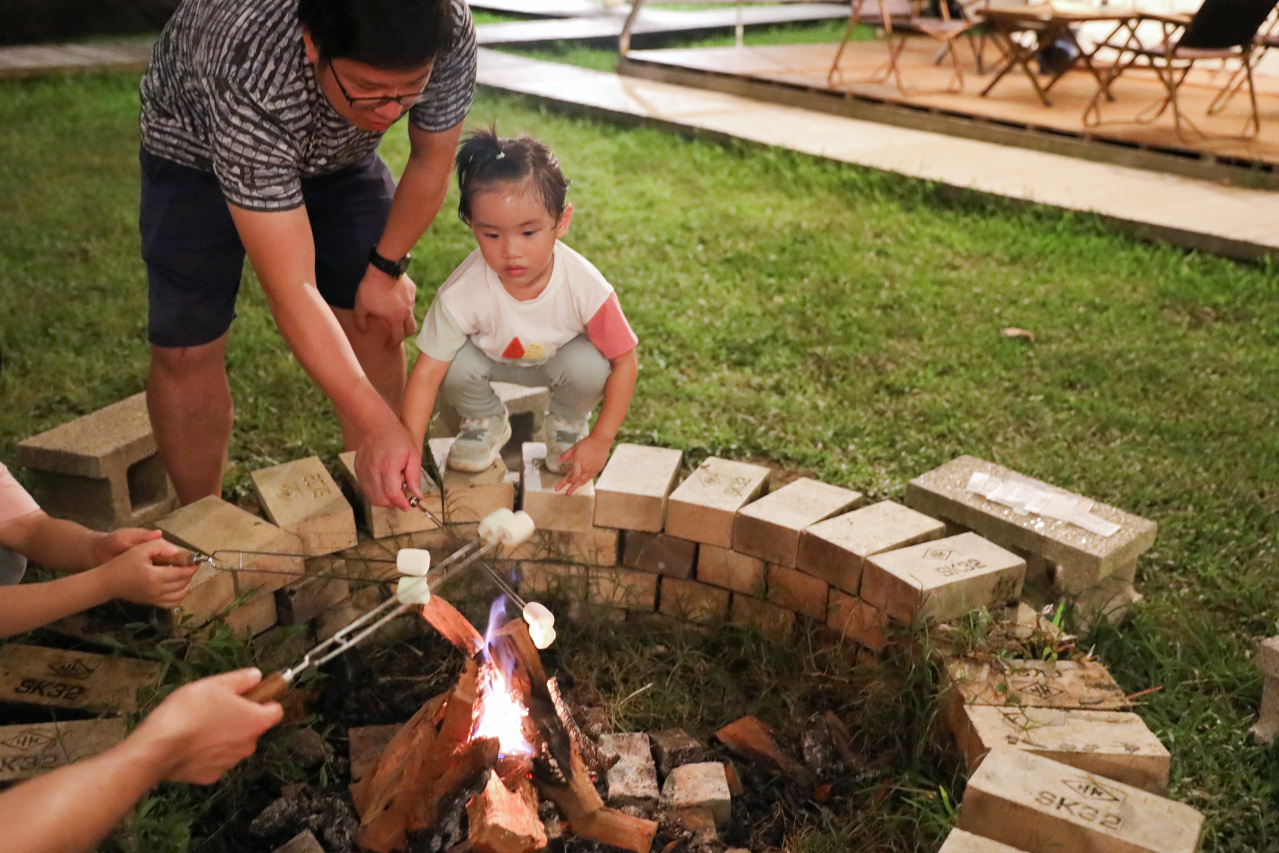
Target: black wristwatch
394	269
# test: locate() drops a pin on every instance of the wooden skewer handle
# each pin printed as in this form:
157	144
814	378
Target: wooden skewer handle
268	689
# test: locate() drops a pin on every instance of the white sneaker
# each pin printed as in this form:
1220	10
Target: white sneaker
479	442
560	436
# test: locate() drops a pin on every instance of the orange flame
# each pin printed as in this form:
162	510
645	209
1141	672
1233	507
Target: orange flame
499	712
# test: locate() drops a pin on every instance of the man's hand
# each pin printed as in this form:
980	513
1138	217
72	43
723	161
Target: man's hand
145	574
115	543
387	461
206	727
589	457
388	302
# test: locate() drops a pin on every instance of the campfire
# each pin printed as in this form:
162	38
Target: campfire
501	739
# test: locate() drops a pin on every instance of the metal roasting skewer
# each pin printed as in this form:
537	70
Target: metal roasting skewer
277	683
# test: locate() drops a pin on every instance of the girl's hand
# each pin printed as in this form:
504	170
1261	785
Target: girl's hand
142	574
588	457
113	544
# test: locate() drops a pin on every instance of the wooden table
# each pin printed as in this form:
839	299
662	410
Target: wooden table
1051	22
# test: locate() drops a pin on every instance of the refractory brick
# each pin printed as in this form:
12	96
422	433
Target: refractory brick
704	507
770	527
940	580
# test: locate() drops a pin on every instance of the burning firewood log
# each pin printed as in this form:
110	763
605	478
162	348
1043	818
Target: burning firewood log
452	751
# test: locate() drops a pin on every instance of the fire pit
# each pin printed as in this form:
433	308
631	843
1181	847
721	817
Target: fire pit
499	738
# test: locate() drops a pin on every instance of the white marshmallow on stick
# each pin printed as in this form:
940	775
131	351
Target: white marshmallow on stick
491	525
517	529
415	562
537	615
413	590
542	637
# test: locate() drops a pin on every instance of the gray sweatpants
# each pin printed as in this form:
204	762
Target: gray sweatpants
575	374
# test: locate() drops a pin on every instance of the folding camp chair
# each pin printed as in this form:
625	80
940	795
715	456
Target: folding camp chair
899	21
1223	30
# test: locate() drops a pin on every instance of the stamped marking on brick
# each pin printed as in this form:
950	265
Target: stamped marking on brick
28	750
704	507
940	580
35	675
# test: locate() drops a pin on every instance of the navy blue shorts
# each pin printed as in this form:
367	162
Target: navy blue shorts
195	259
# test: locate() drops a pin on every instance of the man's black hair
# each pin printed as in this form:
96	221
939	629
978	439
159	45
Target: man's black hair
391	34
484	159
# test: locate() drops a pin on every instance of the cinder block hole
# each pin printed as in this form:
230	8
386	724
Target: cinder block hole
147	484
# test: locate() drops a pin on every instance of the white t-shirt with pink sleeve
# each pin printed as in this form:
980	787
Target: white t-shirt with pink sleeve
472	304
15	501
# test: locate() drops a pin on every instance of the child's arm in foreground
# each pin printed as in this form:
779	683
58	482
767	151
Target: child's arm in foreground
195	735
591	453
66	546
140	575
419	396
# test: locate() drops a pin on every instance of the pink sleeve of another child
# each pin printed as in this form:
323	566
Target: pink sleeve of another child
609	331
15	502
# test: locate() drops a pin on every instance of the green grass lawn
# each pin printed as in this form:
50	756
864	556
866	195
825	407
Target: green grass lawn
836	321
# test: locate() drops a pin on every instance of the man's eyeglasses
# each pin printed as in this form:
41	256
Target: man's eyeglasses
373	103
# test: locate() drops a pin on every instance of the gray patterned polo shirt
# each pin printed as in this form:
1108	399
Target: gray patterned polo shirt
230	91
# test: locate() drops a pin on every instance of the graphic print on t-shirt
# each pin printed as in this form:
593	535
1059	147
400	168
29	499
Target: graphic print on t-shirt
516	350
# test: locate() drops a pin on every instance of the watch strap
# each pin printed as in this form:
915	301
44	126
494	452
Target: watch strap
390	267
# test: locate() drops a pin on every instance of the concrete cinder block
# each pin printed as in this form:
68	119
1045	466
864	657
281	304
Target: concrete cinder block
213	526
693	601
701	785
704	507
1035	803
857	621
795	590
301	497
1114	744
659	553
940	580
771	620
102	470
943	493
959	841
770	527
631	491
731	570
632	781
835	550
552	510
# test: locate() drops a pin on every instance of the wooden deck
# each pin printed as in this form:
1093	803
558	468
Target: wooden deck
797	75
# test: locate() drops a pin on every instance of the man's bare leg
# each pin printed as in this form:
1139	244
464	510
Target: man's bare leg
189	399
383	364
